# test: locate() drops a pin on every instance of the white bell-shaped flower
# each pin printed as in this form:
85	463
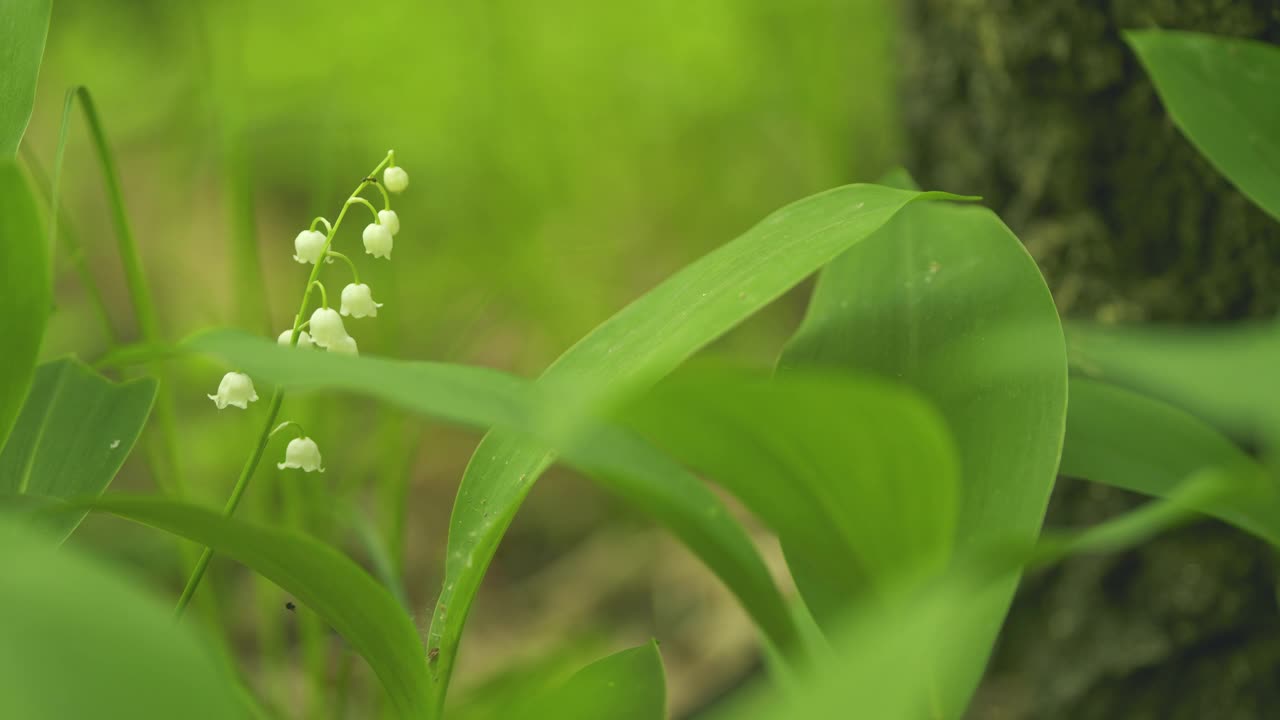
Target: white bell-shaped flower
235	389
396	179
347	346
377	240
304	340
389	220
357	301
302	454
308	246
327	329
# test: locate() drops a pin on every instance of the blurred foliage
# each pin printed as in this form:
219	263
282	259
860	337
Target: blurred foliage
566	156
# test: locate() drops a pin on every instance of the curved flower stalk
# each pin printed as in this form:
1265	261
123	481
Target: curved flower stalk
323	329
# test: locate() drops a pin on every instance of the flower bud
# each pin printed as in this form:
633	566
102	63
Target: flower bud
304	340
396	179
308	246
347	346
327	328
302	454
357	301
235	389
389	220
377	240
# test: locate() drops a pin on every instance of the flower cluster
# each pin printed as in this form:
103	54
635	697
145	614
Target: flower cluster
325	328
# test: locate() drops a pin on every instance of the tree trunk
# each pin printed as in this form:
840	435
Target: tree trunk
1039	106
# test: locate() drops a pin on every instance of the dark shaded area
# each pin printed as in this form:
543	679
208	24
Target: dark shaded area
1039	106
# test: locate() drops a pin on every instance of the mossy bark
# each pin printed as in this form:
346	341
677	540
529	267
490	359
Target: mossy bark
1039	106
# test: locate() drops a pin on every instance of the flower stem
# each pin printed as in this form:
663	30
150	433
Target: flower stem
273	410
237	492
386	199
135	280
359	200
324	299
288	423
355	274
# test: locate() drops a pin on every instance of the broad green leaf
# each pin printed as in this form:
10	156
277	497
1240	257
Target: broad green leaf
80	641
636	347
73	434
857	476
483	398
1221	92
23	27
514	688
892	661
363	612
24	275
887	660
1123	439
1225	375
629	685
946	300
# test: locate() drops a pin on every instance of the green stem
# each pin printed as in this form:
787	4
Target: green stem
327	226
277	397
61	227
250	288
135	279
237	493
361	201
162	458
288	423
386	199
355	274
324	299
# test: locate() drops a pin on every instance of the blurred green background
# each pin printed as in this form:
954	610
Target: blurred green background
565	156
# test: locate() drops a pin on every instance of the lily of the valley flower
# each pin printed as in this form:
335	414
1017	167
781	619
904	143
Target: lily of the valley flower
347	346
327	329
309	246
396	179
389	220
302	454
304	340
377	240
357	301
235	389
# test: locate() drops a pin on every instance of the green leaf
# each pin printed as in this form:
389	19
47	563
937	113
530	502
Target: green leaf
24	275
636	347
1221	92
629	685
75	431
1225	375
946	300
23	27
1175	507
1120	438
79	641
363	612
857	476
481	398
887	660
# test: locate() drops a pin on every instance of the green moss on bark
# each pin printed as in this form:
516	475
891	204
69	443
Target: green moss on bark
1040	107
